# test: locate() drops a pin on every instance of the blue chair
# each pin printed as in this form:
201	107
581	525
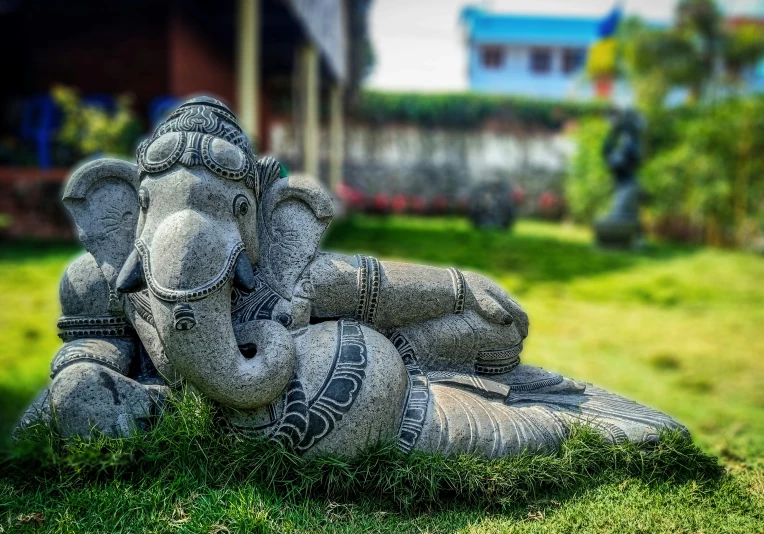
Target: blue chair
40	119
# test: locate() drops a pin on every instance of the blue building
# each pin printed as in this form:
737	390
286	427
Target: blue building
528	55
545	56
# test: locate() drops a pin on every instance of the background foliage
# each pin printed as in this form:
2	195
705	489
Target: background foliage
92	129
703	175
468	110
700	53
713	173
588	185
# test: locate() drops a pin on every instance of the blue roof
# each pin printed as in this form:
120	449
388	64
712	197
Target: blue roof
485	27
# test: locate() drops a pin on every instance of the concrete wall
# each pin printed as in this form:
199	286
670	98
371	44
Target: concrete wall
402	159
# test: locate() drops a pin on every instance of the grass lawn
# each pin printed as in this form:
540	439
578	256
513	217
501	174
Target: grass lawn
676	328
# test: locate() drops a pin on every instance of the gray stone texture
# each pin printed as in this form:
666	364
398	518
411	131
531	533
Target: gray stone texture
202	266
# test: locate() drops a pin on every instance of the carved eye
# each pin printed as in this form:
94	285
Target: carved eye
226	155
143	198
240	205
164	152
224	159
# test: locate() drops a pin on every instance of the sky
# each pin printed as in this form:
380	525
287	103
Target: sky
419	44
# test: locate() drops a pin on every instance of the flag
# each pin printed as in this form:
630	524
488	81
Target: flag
609	25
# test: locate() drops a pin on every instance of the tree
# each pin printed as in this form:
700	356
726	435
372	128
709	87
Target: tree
697	53
743	48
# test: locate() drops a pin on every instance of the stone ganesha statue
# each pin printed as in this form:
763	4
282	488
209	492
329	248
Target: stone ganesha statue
202	266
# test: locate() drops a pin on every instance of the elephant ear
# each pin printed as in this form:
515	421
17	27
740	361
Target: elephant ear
102	197
292	216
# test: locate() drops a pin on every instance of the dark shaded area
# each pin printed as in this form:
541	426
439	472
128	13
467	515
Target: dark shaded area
13	402
535	258
54	42
31	202
31	250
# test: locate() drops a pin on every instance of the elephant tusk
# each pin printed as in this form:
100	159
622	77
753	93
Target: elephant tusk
131	277
243	277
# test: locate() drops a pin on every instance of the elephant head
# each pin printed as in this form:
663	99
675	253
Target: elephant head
189	222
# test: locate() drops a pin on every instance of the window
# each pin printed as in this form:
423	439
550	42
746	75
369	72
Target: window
541	60
573	60
492	57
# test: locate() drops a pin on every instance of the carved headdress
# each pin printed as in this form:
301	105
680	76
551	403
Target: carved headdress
203	131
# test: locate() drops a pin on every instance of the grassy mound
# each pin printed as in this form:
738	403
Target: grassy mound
191	453
191	441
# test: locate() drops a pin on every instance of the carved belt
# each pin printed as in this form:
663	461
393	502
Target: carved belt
306	422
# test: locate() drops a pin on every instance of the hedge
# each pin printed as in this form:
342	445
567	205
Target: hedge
468	110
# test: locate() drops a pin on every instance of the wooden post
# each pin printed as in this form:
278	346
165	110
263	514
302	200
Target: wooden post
308	57
336	136
248	66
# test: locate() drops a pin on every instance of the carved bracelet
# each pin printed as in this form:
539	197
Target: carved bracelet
368	288
71	328
457	278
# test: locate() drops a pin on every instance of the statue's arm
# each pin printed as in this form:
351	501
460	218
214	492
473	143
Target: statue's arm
91	387
391	294
92	331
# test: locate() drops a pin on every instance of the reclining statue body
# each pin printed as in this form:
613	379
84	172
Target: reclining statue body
203	266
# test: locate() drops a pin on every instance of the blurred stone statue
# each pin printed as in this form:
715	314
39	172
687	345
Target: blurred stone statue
491	206
202	268
622	152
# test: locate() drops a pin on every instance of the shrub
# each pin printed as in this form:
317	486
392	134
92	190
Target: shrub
90	129
588	185
468	110
712	174
702	173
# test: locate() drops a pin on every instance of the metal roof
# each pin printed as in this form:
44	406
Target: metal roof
485	27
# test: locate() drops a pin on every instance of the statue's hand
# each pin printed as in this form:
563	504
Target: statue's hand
87	395
486	298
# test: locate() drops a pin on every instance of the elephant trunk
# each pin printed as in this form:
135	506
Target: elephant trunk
243	368
190	267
